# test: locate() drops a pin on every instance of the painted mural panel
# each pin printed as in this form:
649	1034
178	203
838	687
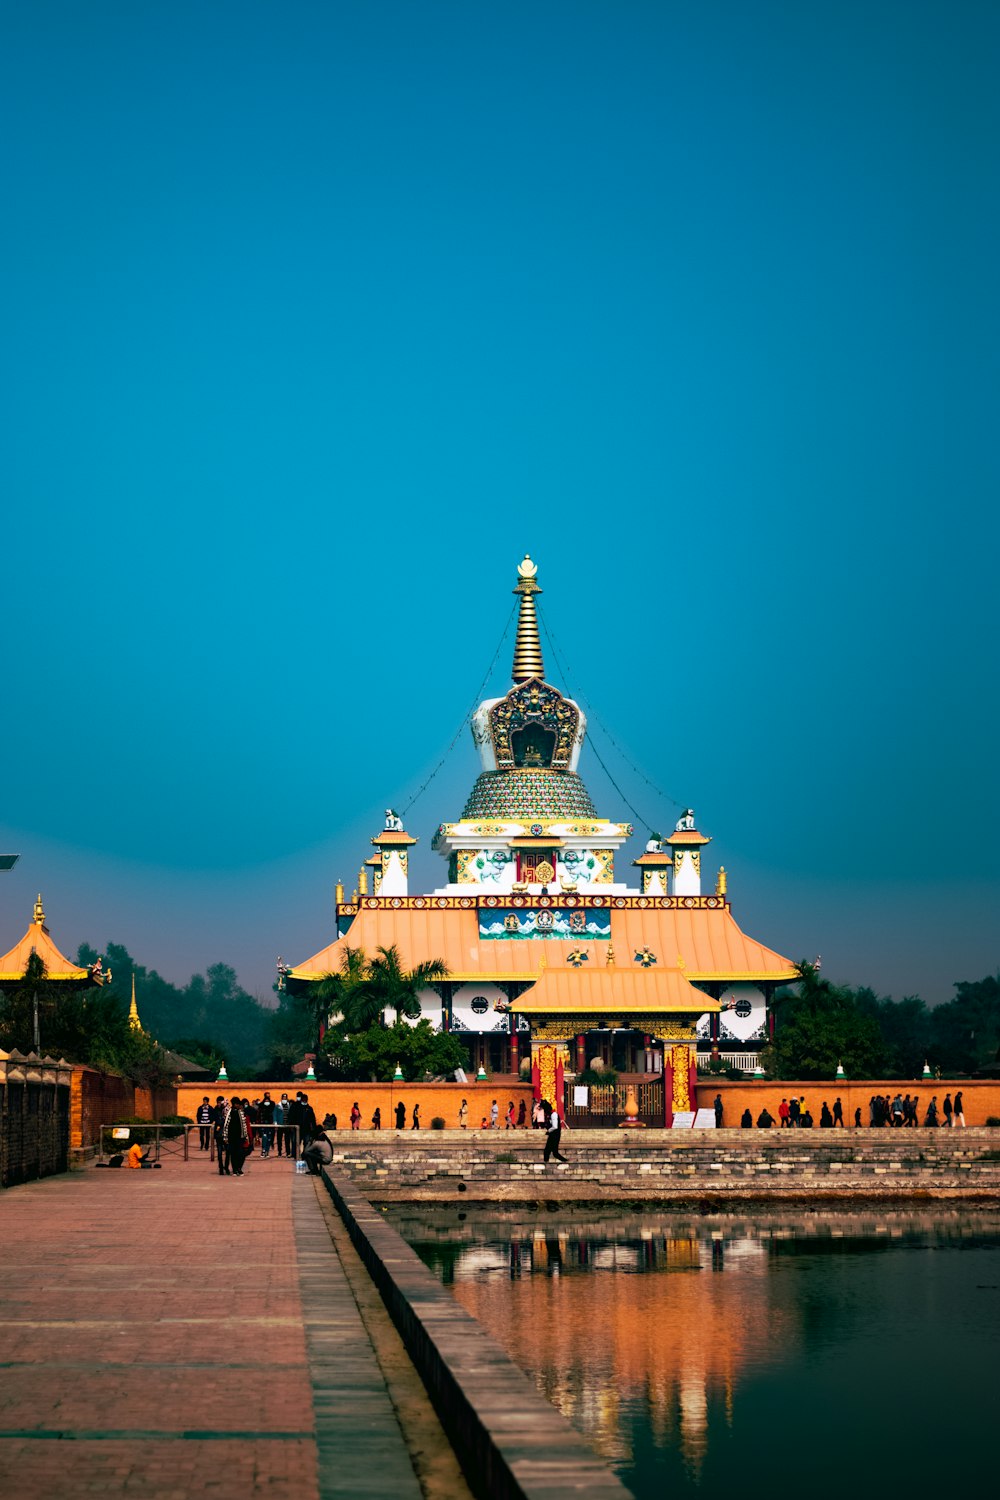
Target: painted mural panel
510	923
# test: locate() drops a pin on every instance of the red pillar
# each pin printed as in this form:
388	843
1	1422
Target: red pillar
581	1054
514	1054
668	1089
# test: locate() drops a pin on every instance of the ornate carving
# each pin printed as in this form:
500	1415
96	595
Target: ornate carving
534	726
680	1058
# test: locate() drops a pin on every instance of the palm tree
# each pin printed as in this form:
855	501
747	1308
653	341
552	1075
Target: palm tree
388	986
331	994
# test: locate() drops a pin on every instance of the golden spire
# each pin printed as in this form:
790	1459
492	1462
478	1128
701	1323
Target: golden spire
133	1010
720	883
39	912
527	647
362	881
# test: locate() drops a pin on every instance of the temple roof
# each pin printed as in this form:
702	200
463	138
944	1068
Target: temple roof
612	990
707	945
37	940
529	796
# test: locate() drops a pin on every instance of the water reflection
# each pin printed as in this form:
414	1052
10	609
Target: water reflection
721	1349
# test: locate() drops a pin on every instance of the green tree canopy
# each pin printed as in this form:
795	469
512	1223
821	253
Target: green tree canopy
371	1055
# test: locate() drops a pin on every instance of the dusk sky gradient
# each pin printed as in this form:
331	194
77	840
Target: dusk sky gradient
317	317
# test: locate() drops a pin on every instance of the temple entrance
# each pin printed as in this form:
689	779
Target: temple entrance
605	1106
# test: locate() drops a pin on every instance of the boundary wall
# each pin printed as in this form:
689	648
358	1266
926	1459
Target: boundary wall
34	1117
104	1098
982	1097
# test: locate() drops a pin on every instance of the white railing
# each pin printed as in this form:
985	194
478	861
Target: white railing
745	1060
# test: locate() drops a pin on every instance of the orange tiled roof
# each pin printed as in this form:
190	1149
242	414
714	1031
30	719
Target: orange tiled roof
686	836
611	989
37	940
705	944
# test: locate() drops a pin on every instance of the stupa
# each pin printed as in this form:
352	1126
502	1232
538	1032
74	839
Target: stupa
550	953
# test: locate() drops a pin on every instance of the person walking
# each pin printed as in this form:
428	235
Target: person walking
377	1119
931	1117
416	1117
237	1133
509	1117
463	1115
717	1106
946	1110
400	1116
958	1118
494	1115
825	1117
522	1116
838	1113
793	1112
204	1119
857	1118
783	1114
221	1149
355	1116
553	1132
280	1121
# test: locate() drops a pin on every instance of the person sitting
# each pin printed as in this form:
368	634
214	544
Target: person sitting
135	1156
746	1120
765	1119
825	1117
329	1121
319	1153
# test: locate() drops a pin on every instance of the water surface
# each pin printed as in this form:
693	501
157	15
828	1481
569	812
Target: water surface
791	1354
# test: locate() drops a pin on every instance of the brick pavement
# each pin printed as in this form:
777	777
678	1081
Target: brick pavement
156	1321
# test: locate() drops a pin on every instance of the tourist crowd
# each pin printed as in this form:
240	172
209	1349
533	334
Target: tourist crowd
883	1111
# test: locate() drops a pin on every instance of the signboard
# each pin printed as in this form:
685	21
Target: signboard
683	1119
704	1119
121	1133
581	1093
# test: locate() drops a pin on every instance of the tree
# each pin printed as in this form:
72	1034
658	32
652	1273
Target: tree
332	995
388	986
965	1031
372	1054
818	1026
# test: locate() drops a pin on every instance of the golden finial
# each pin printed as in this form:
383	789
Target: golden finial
338	893
362	881
133	1010
39	913
610	955
527	646
720	884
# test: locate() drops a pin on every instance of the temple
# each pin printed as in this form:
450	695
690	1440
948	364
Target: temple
58	968
551	954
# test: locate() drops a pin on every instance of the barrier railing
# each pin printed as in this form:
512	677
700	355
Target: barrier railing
174	1140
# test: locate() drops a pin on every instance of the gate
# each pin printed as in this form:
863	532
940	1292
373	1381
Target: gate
605	1106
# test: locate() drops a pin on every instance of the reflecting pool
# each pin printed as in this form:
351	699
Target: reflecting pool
793	1355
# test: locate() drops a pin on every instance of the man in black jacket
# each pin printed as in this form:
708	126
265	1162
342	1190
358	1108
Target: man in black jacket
204	1119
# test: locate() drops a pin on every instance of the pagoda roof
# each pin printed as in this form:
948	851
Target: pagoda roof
687	836
613	990
394	836
706	944
659	860
38	940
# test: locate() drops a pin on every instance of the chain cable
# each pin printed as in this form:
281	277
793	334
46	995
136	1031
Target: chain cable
475	704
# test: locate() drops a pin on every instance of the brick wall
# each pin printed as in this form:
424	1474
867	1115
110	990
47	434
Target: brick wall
102	1098
981	1097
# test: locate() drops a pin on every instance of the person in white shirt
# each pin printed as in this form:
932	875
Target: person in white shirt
553	1132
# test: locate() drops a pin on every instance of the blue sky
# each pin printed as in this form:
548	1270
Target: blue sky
317	317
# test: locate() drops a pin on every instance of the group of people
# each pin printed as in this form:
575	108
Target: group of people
238	1124
899	1112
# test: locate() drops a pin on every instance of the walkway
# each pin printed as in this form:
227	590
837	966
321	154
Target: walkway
190	1334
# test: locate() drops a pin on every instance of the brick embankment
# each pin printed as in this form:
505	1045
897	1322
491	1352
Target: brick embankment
665	1166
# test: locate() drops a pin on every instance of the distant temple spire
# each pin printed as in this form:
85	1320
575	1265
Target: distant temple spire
527	647
133	1010
39	912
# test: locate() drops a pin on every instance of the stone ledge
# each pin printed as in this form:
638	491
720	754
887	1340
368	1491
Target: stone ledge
511	1443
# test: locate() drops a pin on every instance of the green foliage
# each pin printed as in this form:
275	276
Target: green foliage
372	1055
212	1004
201	1050
385	985
819	1026
598	1078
